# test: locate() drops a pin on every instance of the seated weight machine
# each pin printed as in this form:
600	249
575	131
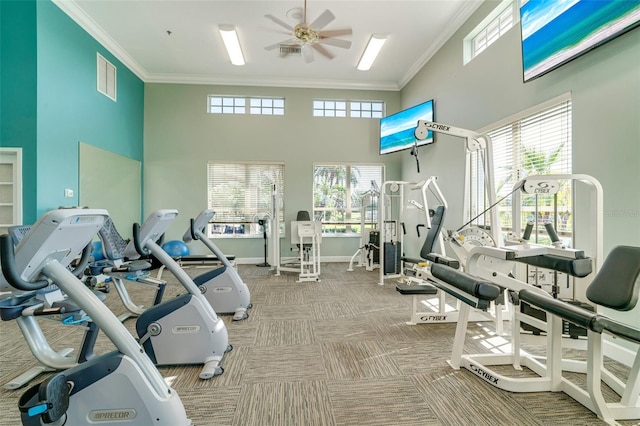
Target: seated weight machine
462	240
429	304
616	286
306	237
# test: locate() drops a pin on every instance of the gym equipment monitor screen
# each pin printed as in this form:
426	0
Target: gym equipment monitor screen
396	130
556	32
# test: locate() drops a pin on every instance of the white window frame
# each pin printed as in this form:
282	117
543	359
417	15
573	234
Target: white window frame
266	106
254	105
251	197
330	108
366	109
494	26
343	108
349	211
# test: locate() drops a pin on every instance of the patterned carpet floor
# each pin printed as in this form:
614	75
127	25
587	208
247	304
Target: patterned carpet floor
334	352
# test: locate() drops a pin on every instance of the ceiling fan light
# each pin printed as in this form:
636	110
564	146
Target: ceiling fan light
231	42
371	52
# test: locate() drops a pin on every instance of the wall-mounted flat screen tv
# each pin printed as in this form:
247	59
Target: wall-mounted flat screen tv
396	130
556	31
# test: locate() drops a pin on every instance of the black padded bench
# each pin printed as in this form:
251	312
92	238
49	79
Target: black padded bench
473	291
416	289
579	267
615	286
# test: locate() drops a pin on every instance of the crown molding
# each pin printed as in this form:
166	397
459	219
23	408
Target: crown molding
94	30
271	82
461	17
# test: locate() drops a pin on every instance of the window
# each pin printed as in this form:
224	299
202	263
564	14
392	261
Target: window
343	108
227	105
329	108
241	194
338	191
238	105
106	77
366	109
494	26
267	106
534	142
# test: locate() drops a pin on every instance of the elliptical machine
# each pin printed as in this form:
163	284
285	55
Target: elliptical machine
136	391
223	287
183	330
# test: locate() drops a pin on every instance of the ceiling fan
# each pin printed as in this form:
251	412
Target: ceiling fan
310	37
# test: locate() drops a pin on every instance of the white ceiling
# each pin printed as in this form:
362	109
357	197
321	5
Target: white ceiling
135	31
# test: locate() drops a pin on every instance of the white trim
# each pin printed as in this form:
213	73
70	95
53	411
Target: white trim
14	156
93	29
461	17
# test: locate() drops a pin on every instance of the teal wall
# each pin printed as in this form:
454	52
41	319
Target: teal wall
49	71
71	110
18	71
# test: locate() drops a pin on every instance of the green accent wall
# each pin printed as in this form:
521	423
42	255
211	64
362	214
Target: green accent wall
49	72
18	92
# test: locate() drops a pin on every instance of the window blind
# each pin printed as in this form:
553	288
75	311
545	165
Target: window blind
241	194
535	143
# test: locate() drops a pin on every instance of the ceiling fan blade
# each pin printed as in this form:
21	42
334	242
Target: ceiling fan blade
307	53
277	45
323	20
343	44
335	33
323	51
279	22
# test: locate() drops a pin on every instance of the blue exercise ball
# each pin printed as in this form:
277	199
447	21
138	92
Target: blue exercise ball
176	248
97	252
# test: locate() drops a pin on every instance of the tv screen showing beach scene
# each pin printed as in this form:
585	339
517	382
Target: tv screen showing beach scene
396	130
556	31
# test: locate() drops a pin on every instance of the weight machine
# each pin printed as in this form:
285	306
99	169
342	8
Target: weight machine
429	304
368	254
467	236
462	240
306	236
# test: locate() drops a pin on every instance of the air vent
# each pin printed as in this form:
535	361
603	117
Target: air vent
106	77
290	50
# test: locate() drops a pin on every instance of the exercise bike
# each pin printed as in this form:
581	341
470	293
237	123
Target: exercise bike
122	385
47	303
223	287
183	330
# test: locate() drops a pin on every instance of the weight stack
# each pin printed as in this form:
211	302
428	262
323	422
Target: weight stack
392	254
527	309
374	239
570	329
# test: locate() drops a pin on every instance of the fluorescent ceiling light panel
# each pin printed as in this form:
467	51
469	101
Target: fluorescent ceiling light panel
371	52
231	42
